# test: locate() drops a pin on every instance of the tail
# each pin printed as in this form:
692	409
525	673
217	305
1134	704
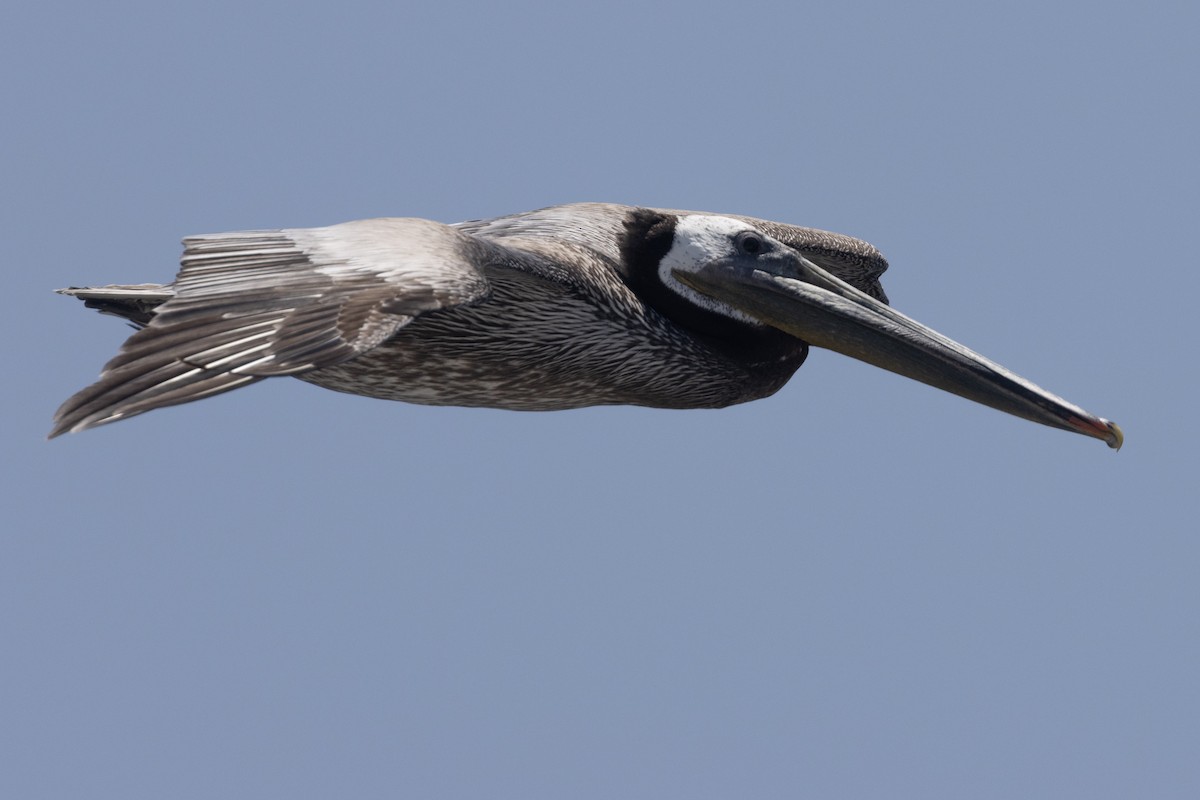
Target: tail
134	303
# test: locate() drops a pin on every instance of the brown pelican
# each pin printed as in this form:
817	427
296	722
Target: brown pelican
568	306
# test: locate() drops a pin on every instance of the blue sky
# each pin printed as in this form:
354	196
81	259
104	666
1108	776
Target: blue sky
860	587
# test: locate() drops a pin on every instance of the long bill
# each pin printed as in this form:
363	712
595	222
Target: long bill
824	311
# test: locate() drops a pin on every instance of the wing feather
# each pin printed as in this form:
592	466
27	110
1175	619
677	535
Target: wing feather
257	304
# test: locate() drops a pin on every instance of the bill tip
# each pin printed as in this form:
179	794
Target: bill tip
1116	437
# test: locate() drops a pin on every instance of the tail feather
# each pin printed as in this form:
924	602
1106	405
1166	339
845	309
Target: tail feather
135	303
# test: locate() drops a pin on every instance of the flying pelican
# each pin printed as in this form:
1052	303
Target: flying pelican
568	306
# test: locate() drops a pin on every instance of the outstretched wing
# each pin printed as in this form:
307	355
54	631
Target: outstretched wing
251	305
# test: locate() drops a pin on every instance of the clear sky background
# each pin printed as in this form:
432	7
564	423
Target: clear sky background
858	588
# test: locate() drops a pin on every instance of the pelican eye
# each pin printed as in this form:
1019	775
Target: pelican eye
750	243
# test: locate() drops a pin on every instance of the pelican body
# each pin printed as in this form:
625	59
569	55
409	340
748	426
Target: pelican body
563	307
